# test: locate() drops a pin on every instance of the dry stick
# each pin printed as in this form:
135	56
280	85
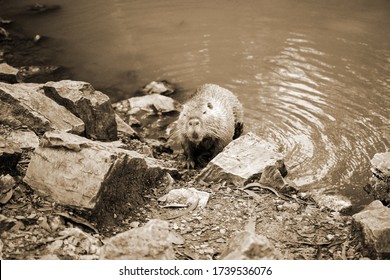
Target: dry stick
250	185
191	208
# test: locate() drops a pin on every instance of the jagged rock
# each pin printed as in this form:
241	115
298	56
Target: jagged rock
381	165
8	73
374	223
90	105
242	160
153	241
36	74
247	245
155	103
124	128
162	87
25	104
86	174
379	186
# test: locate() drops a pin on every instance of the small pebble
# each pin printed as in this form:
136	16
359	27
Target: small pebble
134	224
37	38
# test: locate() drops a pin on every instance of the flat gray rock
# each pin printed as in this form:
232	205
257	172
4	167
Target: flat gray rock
241	160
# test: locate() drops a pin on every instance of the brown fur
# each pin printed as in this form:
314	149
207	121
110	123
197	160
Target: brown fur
210	120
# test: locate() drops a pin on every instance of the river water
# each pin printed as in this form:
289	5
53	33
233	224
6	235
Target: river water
313	76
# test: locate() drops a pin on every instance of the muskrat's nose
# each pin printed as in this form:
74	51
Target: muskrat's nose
194	122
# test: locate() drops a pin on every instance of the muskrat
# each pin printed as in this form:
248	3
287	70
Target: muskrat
210	120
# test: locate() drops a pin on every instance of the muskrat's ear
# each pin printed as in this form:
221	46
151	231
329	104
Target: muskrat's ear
210	105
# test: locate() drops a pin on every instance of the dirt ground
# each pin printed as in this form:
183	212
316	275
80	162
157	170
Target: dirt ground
298	228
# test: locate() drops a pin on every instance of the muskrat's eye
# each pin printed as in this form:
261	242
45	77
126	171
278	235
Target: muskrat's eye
210	105
204	112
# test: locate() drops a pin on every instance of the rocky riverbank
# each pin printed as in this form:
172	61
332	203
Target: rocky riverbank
81	178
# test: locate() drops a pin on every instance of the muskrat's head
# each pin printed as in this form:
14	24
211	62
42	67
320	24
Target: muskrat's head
196	120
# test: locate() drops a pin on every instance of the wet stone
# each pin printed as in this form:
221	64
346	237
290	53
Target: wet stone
381	165
379	184
374	224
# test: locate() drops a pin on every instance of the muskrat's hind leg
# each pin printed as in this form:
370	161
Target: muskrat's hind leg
238	129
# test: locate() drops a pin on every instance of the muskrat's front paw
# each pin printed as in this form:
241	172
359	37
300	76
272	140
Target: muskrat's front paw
189	164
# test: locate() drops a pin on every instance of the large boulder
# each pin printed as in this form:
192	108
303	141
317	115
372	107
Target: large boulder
379	186
374	223
243	159
153	241
25	104
91	175
90	105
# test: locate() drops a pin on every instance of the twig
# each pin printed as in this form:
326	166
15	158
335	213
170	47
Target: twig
250	185
275	192
191	208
